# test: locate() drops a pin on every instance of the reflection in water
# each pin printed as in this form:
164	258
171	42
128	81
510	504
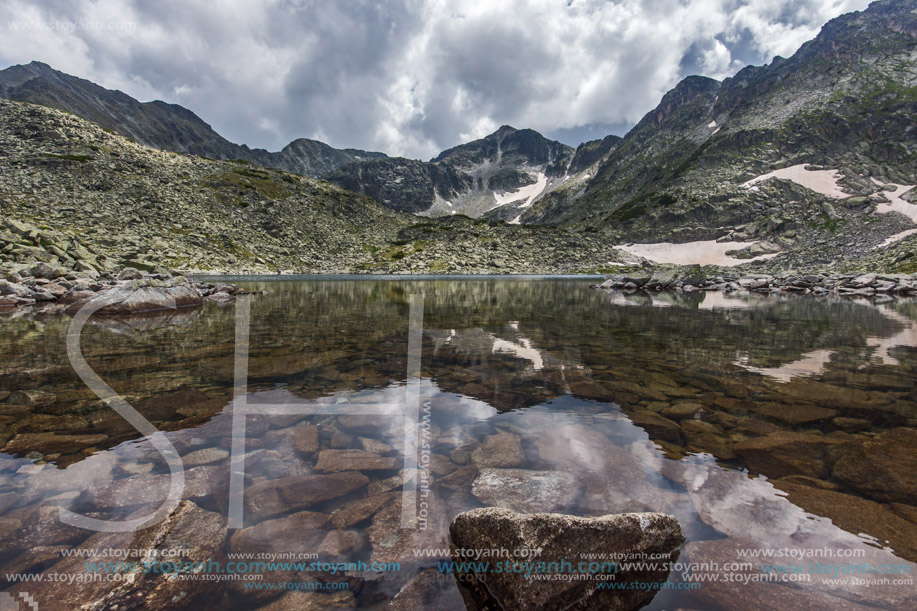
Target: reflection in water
759	422
810	364
906	337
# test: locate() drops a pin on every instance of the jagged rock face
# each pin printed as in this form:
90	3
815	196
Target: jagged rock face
592	152
845	101
169	127
497	176
402	184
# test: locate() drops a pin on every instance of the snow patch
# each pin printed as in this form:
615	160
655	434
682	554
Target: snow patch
704	252
528	193
896	238
897	204
820	181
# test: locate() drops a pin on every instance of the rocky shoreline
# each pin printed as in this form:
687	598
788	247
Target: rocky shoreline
695	278
53	289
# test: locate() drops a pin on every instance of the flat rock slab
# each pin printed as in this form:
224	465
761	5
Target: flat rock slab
526	491
285	494
332	461
502	450
884	468
141	296
790	453
560	544
200	534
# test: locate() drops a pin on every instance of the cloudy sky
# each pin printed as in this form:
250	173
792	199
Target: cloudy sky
407	77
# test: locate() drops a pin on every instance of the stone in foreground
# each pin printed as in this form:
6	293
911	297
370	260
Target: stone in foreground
564	542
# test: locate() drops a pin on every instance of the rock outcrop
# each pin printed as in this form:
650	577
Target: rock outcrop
550	566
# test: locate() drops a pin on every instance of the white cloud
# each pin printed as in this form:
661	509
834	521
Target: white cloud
407	76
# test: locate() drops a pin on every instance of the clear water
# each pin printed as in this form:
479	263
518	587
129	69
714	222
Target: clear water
630	403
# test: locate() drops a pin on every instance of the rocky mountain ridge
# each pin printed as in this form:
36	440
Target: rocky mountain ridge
807	163
168	127
498	176
86	201
844	103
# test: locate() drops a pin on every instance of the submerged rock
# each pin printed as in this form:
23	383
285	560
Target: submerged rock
884	469
855	515
333	461
276	496
312	601
789	453
559	546
198	533
428	589
502	450
526	490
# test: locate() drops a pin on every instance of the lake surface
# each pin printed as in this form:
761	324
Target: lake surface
348	420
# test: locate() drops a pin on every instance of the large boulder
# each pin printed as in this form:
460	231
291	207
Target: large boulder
548	561
137	296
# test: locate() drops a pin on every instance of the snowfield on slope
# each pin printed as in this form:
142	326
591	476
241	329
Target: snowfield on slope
704	252
820	181
825	182
528	193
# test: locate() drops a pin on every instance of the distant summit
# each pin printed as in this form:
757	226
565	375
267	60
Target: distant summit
498	176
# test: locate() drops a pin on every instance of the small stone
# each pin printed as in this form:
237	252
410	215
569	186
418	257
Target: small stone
707	437
372	445
130	273
312	601
681	411
305	438
884	469
43	270
35	398
50	443
204	457
339	542
285	494
656	426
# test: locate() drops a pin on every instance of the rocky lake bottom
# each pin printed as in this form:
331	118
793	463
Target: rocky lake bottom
347	421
